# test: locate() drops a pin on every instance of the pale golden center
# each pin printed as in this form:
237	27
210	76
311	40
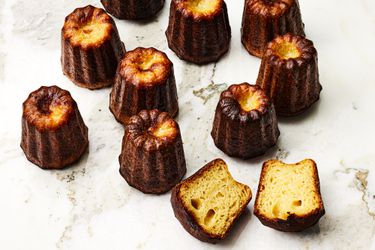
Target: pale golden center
166	129
203	6
249	100
287	50
90	33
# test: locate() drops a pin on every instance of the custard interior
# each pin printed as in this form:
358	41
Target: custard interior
166	129
89	33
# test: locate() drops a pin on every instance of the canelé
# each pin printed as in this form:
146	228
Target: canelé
129	9
53	132
90	48
245	123
152	157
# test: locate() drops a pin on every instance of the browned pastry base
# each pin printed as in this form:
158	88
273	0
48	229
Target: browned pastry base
199	30
144	80
91	48
289	74
53	132
245	123
152	158
128	9
263	20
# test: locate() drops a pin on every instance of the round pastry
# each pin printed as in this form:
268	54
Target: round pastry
144	80
129	9
152	158
53	132
289	74
263	20
91	48
198	30
245	123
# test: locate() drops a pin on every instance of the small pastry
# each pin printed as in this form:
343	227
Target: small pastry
129	9
288	197
91	48
289	74
152	158
263	20
245	123
199	30
53	132
210	202
144	80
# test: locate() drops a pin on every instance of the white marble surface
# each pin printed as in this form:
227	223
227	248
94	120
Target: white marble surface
89	206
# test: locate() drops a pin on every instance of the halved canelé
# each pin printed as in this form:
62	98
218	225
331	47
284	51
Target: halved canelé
90	48
152	159
289	74
144	80
129	9
263	20
245	123
199	30
288	197
53	132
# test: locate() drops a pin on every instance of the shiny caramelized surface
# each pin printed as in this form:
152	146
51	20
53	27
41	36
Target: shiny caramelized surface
48	107
145	66
270	7
151	130
87	27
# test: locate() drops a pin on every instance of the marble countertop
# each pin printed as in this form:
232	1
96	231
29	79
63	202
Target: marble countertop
90	206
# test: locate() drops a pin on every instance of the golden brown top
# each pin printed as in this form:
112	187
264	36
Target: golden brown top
145	67
48	108
290	49
199	8
244	99
87	27
152	129
272	8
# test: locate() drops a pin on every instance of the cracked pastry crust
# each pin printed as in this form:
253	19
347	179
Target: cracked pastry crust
53	132
91	48
263	20
245	123
144	80
288	197
134	10
152	159
199	30
289	74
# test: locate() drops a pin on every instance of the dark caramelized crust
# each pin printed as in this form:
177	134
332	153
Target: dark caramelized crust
263	20
199	30
144	80
289	74
91	47
53	132
245	123
152	158
129	9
